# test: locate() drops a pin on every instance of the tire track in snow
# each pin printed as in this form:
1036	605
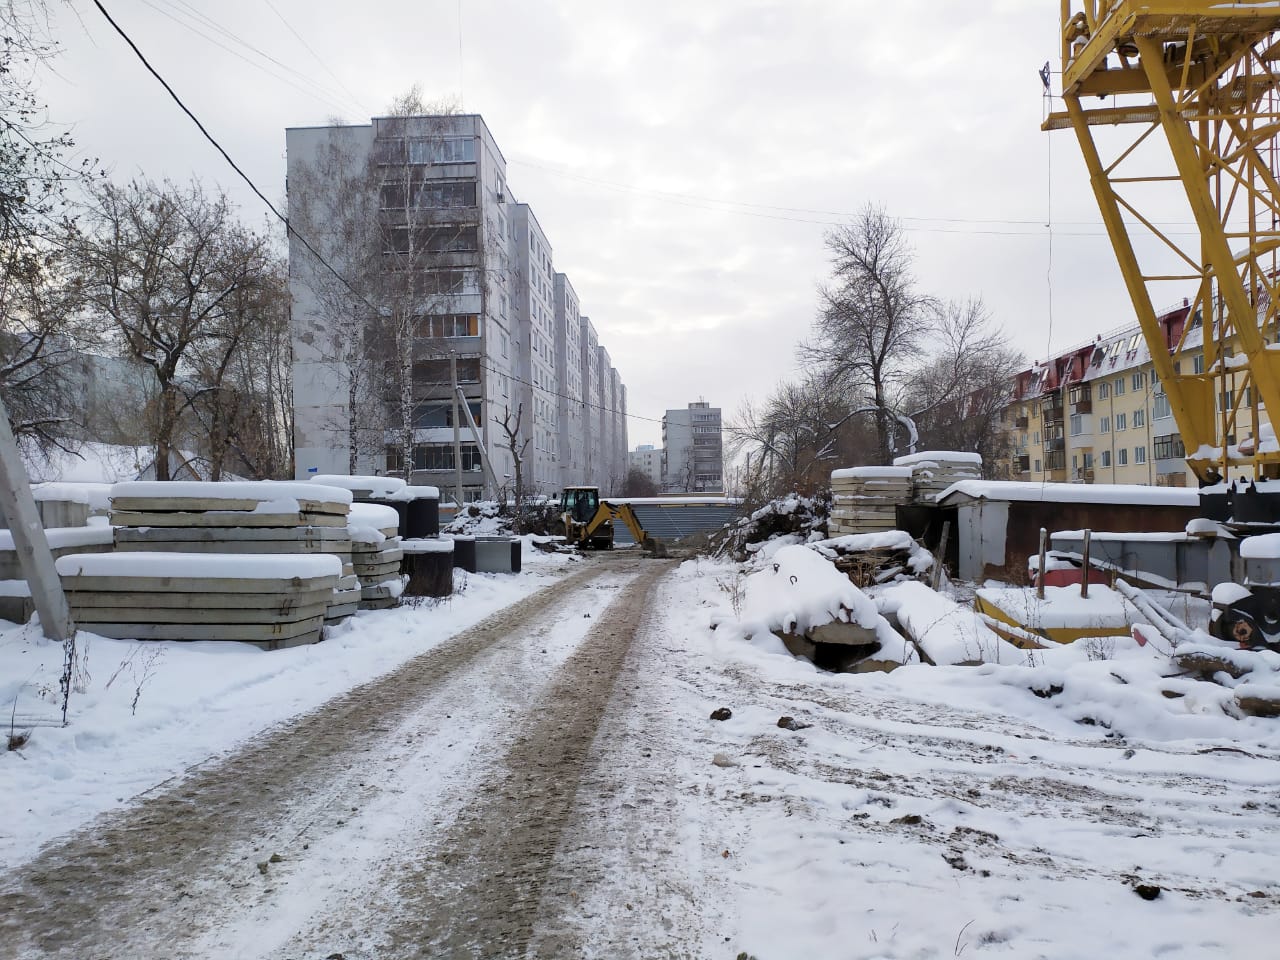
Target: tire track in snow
143	875
478	890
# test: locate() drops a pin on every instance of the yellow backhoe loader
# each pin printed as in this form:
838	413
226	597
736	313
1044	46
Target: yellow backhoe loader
588	521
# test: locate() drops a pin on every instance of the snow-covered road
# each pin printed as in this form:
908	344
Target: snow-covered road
548	783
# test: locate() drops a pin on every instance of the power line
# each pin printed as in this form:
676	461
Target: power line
319	59
226	156
303	240
565	396
310	87
761	210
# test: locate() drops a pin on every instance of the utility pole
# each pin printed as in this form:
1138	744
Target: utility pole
457	434
29	539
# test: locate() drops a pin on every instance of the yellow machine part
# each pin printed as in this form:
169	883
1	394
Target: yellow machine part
1179	99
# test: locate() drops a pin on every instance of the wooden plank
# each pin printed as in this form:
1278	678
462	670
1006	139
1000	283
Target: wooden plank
257	633
197	615
198	585
262	603
213	518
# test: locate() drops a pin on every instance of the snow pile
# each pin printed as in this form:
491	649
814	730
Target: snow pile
1063	608
367	521
787	520
796	591
378	488
485	518
944	631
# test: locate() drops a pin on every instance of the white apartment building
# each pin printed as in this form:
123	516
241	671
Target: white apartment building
648	461
692	450
421	207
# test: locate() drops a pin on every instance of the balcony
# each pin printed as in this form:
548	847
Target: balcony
1020	423
1081	399
1051	410
1022	464
1084	475
1055	445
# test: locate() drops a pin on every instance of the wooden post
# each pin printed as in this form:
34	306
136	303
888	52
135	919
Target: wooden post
940	555
29	540
1044	545
1084	572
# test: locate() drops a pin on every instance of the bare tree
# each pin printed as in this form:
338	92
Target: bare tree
873	323
39	335
518	444
172	272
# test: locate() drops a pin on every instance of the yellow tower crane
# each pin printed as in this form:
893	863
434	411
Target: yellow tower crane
1174	105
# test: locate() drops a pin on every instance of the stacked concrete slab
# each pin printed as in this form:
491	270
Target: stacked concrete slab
246	519
934	471
272	601
866	499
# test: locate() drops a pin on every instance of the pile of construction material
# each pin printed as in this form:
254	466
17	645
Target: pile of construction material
246	519
272	601
869	559
933	471
866	499
376	554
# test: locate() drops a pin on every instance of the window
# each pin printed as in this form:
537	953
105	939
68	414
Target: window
1104	390
443	150
448	325
1139	418
1197	363
439	413
1121	422
1118	386
1106	458
1037	466
1077	424
1104	424
398	239
1036	439
1137	380
1139	454
1160	407
1169	447
1088	461
1122	457
1075	462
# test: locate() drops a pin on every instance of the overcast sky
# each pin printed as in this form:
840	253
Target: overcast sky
685	158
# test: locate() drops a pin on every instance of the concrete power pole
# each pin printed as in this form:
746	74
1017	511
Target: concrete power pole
457	434
29	539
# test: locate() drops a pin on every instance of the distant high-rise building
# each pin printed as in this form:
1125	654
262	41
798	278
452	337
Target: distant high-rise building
648	461
692	450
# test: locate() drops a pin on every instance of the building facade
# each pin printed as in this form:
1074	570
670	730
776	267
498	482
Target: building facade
417	219
1097	413
648	461
692	450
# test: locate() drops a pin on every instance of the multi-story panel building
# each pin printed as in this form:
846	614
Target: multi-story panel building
569	409
589	343
603	423
417	220
692	450
648	461
1097	414
539	385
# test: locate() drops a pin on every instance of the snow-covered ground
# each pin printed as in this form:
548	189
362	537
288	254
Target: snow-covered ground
194	701
1017	809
